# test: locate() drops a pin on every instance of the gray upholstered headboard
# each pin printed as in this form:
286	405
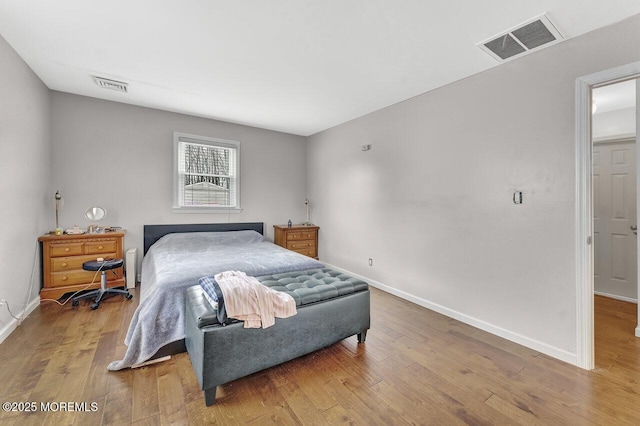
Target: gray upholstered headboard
153	233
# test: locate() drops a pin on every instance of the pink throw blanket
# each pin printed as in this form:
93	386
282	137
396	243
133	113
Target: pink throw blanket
249	301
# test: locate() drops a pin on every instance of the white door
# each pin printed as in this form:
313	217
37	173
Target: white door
614	211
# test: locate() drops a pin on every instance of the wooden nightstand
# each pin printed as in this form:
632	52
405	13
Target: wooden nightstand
63	256
299	238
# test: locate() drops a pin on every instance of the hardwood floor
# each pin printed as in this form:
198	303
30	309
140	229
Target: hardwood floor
417	367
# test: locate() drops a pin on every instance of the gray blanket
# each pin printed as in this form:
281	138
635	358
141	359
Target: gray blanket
175	262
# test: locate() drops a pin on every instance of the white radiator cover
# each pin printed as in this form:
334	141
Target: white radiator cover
131	263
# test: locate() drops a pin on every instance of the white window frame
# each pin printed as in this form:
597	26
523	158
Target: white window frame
178	207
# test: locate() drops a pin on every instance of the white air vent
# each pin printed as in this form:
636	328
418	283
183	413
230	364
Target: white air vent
527	37
106	83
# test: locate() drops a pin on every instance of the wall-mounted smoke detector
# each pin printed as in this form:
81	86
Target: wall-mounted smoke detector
527	37
106	83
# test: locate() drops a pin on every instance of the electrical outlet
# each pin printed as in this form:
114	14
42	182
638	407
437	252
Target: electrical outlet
370	262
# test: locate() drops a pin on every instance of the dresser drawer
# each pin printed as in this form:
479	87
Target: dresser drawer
68	249
302	235
100	247
60	264
59	279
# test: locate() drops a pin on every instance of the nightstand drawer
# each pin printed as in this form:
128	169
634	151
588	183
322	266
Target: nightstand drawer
302	235
310	251
100	247
69	249
301	245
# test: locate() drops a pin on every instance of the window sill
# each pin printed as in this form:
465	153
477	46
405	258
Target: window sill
207	210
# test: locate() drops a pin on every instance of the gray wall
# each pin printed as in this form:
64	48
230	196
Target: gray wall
431	202
120	157
614	124
25	171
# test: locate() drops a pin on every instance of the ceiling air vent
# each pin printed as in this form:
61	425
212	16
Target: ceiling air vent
106	83
525	38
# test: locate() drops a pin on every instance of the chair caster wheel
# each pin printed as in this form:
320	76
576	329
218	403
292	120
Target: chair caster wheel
129	296
94	306
74	303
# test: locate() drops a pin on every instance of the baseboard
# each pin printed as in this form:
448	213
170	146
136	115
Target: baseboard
13	323
536	345
616	297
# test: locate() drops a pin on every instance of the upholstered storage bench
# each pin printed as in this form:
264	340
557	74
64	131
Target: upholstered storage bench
331	306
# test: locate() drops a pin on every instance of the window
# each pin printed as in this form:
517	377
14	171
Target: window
206	173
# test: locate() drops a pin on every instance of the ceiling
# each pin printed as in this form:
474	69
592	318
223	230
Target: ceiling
297	66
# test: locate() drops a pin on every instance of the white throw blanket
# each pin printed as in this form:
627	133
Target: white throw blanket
249	301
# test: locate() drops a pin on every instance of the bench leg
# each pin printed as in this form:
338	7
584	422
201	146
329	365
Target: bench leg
210	396
362	336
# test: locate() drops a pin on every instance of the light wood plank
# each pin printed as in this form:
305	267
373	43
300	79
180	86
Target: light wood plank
417	367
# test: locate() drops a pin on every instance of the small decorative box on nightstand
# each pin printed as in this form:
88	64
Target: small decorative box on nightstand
63	256
299	238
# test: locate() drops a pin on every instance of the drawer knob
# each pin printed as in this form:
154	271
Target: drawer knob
65	264
66	249
64	278
100	247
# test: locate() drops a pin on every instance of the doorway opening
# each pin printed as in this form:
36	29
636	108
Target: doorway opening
585	356
615	246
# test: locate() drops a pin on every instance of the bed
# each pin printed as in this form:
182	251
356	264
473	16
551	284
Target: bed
176	256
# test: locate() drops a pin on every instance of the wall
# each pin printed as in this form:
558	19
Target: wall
25	172
614	124
120	156
431	202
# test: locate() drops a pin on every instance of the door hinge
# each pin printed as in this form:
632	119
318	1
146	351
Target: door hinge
588	241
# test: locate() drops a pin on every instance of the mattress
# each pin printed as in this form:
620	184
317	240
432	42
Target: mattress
177	261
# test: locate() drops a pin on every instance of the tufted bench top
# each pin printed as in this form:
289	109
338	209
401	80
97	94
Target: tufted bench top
306	287
313	285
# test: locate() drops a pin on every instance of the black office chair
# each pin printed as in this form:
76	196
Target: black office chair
103	266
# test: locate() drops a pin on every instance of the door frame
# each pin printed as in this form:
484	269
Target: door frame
585	356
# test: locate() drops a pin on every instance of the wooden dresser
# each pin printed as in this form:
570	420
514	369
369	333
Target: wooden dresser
63	256
299	238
